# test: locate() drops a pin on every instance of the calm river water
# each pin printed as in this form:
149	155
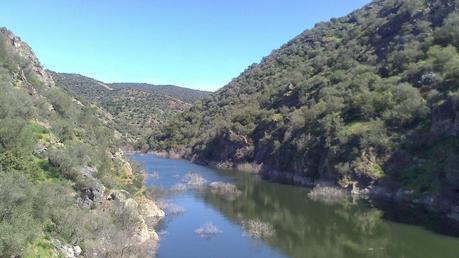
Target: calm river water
302	227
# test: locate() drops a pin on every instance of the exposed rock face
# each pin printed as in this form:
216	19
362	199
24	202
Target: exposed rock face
126	168
92	195
150	211
26	52
39	148
66	250
137	216
139	231
229	146
88	171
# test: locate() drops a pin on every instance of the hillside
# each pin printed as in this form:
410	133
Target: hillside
365	100
66	189
184	94
136	108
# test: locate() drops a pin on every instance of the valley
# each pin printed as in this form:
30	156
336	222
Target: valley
343	142
135	110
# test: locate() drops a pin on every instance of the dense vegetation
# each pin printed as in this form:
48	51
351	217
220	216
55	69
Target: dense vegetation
184	94
370	97
55	156
136	108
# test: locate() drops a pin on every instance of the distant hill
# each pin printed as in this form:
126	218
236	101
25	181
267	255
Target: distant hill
365	100
181	93
136	108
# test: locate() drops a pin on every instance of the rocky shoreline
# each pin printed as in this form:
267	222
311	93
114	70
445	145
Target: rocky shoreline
442	206
445	207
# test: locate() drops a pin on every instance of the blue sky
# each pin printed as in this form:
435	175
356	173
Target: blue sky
201	44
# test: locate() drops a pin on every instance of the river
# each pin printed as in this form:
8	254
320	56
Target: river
301	227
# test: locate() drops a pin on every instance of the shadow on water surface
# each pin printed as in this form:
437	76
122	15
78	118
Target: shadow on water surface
306	228
417	215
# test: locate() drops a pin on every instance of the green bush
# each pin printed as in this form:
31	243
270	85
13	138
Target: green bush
18	227
16	135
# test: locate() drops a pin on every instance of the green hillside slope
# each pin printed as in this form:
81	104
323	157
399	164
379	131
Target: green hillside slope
64	182
361	100
184	94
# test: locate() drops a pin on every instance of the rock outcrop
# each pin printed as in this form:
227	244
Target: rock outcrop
92	194
26	52
137	217
151	213
66	250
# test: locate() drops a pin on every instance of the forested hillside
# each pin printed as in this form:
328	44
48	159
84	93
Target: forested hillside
184	94
65	187
136	108
366	99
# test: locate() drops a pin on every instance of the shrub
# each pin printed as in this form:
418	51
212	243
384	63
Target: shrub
258	229
328	194
18	227
16	135
67	164
227	190
409	106
194	180
178	187
449	32
207	231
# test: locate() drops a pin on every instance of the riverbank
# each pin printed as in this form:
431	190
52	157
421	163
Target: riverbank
357	228
445	207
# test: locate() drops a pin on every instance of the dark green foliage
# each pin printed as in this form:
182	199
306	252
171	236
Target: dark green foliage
341	100
67	161
449	32
184	94
17	223
15	135
14	103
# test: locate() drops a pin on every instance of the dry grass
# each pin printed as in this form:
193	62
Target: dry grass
249	167
194	180
227	190
328	194
178	188
207	231
258	229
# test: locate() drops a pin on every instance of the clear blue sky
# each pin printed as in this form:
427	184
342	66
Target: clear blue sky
200	44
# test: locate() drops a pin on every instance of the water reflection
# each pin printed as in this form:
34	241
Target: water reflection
302	227
306	228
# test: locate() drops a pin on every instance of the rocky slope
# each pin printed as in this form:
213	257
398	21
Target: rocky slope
136	109
367	100
66	188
